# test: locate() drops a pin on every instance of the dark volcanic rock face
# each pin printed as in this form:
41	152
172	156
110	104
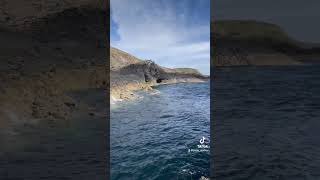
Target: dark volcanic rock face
146	71
150	72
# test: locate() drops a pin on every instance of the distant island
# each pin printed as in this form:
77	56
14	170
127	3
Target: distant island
128	73
247	42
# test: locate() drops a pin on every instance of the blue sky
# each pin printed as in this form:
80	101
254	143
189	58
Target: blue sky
173	33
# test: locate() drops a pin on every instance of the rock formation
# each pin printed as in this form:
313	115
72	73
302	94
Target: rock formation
48	49
129	73
252	43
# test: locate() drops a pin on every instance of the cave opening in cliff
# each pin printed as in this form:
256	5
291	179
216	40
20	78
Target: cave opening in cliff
146	78
159	80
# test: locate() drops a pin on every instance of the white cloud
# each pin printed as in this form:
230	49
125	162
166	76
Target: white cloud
156	30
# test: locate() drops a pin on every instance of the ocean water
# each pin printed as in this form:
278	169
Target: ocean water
266	123
70	149
151	136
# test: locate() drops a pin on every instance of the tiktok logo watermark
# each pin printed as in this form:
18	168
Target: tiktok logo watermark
204	140
204	146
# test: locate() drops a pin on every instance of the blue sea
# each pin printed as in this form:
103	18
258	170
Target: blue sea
266	123
157	136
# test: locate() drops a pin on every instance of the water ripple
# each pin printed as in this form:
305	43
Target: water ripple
267	123
156	133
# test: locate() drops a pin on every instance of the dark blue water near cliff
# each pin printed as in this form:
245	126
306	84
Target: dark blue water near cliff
266	123
150	137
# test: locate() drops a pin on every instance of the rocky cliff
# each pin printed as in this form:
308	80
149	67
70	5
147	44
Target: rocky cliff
20	15
49	48
129	73
243	43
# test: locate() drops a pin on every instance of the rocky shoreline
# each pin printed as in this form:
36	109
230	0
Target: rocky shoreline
129	74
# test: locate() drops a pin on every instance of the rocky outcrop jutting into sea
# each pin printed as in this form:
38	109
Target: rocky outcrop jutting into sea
129	73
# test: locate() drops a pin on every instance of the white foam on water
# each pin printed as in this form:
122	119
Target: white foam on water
113	100
155	92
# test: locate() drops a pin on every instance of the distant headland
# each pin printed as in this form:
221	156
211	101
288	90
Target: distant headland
253	43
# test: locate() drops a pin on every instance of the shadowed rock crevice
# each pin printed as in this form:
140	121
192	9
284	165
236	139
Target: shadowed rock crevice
159	80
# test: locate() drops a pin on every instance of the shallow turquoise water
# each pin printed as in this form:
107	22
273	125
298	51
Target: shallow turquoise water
151	137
